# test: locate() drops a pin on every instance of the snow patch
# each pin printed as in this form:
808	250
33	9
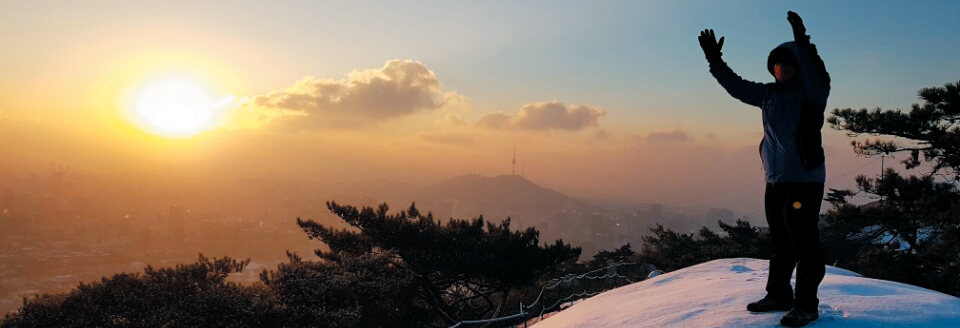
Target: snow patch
715	294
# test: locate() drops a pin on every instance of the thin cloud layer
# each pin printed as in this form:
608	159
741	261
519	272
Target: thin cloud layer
553	115
448	138
399	88
676	135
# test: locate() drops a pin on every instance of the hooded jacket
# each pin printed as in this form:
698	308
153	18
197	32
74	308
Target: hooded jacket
791	149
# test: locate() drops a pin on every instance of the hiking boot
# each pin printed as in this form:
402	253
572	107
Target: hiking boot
767	304
798	317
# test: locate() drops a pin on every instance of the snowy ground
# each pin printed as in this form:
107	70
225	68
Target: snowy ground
715	294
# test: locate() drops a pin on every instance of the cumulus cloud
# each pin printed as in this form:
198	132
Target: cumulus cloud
399	88
450	138
454	102
676	135
545	116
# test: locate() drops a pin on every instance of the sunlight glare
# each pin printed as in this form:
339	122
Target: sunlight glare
178	108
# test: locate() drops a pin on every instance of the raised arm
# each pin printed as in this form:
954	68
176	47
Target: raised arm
751	93
816	80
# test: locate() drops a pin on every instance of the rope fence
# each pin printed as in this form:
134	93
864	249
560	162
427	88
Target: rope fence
562	292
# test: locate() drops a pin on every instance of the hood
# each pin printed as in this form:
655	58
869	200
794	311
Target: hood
787	50
810	69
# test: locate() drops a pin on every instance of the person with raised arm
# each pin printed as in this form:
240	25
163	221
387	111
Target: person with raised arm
792	108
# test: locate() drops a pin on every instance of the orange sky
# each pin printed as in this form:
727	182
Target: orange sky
598	102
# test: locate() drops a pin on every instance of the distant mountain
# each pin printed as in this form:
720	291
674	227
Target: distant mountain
501	188
589	224
498	197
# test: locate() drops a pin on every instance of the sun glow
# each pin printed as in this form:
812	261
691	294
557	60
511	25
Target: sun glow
178	108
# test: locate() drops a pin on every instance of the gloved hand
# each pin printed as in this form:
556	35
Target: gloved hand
711	48
799	31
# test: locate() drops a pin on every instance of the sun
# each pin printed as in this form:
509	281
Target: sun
177	108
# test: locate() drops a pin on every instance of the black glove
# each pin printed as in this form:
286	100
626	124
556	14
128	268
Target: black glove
711	48
799	32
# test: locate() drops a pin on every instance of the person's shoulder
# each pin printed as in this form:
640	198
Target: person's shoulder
770	86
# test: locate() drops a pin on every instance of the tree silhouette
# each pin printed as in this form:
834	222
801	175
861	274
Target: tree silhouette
619	255
463	269
670	250
912	233
931	129
188	295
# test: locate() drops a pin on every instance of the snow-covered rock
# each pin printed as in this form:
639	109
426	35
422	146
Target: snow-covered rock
715	294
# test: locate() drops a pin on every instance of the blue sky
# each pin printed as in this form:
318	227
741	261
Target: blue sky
620	53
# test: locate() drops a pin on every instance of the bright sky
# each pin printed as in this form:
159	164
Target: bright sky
606	99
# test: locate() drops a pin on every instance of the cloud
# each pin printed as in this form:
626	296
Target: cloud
676	135
553	115
449	138
362	97
454	102
452	120
495	121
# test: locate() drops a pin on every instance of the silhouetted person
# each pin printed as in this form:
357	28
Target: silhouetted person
793	162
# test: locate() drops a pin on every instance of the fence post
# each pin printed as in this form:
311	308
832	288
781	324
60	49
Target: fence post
522	315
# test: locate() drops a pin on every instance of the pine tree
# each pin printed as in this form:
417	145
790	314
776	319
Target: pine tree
670	250
605	257
464	269
911	232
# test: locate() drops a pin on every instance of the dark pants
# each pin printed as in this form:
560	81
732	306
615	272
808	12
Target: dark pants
793	210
